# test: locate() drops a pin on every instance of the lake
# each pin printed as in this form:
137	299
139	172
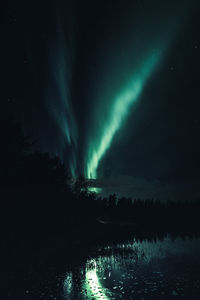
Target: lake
137	269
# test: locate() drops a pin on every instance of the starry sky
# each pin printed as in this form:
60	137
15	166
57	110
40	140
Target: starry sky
112	87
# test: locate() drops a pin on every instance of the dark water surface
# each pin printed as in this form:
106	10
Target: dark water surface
160	269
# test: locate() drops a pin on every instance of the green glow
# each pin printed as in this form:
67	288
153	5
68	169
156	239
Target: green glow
125	68
93	286
94	190
58	99
119	110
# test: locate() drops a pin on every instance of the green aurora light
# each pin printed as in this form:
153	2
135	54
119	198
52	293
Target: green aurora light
119	111
121	71
113	110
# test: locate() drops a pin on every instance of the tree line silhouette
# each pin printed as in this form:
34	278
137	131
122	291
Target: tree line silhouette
35	189
149	212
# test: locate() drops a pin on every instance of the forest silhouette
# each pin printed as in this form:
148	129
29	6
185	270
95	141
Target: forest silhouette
36	193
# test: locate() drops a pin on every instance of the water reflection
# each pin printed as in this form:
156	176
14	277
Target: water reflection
92	283
138	269
68	285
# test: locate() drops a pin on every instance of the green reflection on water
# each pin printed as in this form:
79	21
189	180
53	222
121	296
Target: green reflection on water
92	283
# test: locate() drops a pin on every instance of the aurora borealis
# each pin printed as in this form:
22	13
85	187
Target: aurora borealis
100	144
141	67
108	83
117	110
118	113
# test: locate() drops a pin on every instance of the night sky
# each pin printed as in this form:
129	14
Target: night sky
112	87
